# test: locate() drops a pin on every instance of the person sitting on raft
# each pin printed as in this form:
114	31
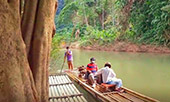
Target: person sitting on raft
91	70
109	76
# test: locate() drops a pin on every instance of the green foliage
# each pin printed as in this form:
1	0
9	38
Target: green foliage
85	11
149	21
119	4
62	36
92	35
66	13
55	46
166	8
146	21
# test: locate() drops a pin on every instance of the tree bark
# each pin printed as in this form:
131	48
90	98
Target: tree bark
25	50
54	27
28	22
40	46
103	18
85	15
16	81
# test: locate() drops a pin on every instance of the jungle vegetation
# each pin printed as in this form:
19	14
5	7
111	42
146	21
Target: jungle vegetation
106	21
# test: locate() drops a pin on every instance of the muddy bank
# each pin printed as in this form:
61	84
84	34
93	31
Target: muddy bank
124	47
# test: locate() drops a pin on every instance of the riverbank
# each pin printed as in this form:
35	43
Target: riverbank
120	46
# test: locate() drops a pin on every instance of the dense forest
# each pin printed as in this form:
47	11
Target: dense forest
106	21
27	29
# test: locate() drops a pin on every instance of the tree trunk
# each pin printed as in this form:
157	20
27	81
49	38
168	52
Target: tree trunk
85	15
28	22
16	81
40	48
126	14
24	54
102	21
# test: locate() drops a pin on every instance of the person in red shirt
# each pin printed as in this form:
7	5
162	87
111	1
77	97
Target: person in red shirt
92	67
91	70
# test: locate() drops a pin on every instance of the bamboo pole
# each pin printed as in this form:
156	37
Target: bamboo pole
79	92
50	91
64	77
93	91
121	95
60	89
112	94
68	79
53	90
50	94
56	89
58	93
136	94
128	91
64	89
68	90
60	84
72	88
81	98
75	90
131	97
114	98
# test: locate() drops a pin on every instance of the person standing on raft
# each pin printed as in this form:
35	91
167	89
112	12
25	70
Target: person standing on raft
69	56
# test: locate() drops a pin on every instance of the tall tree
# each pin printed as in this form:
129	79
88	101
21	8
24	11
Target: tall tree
25	48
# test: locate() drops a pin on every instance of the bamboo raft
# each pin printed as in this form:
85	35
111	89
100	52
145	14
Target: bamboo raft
113	96
61	89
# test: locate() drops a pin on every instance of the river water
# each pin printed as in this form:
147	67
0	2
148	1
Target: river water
146	73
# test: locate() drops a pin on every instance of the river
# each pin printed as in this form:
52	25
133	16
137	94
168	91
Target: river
146	73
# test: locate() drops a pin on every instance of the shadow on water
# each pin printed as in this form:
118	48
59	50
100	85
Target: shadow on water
147	73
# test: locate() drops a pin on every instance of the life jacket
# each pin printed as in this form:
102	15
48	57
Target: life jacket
92	67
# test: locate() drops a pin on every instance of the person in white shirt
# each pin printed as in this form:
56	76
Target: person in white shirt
109	76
